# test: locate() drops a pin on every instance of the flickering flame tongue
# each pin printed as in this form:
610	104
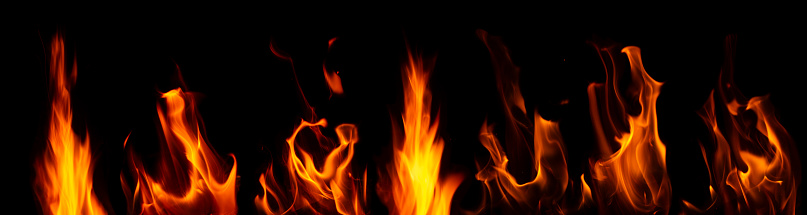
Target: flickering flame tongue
544	193
326	188
415	185
637	172
64	172
190	177
321	191
754	167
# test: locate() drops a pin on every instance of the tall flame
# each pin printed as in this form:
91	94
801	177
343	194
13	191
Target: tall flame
636	174
754	167
190	177
64	173
544	193
329	188
413	184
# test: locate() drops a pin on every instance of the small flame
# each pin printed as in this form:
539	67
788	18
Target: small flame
413	178
765	150
636	174
64	173
332	78
190	177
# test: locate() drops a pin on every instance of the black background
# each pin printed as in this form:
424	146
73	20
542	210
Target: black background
250	102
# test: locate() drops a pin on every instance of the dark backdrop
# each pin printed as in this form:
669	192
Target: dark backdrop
250	102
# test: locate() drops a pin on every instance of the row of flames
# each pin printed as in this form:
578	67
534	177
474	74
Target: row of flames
752	161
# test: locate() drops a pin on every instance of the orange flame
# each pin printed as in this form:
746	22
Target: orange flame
636	174
545	192
413	184
325	189
64	172
332	78
191	178
320	191
765	150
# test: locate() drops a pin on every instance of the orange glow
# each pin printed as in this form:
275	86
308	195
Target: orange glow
636	174
330	189
190	178
413	184
754	165
64	172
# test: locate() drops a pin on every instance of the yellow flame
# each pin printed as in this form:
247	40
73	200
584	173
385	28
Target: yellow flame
331	188
64	172
414	175
191	177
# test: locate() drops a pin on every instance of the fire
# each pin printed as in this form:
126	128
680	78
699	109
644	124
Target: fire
413	184
636	174
190	178
754	167
64	173
329	188
544	193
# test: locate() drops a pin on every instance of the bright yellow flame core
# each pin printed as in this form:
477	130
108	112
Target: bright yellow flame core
64	172
415	172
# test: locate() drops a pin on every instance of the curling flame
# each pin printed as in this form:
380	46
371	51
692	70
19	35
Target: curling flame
545	191
331	188
636	174
190	177
754	167
64	173
414	175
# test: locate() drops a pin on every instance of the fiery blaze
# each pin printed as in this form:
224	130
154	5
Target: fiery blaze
413	184
754	166
545	192
190	178
329	187
326	189
635	176
64	173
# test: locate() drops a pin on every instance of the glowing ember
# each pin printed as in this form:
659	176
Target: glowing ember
414	185
636	174
190	177
64	172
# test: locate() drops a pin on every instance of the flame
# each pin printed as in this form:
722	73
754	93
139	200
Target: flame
413	184
545	192
64	172
754	167
320	191
332	78
636	174
190	177
328	188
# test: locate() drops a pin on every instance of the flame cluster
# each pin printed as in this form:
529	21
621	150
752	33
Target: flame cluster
752	160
